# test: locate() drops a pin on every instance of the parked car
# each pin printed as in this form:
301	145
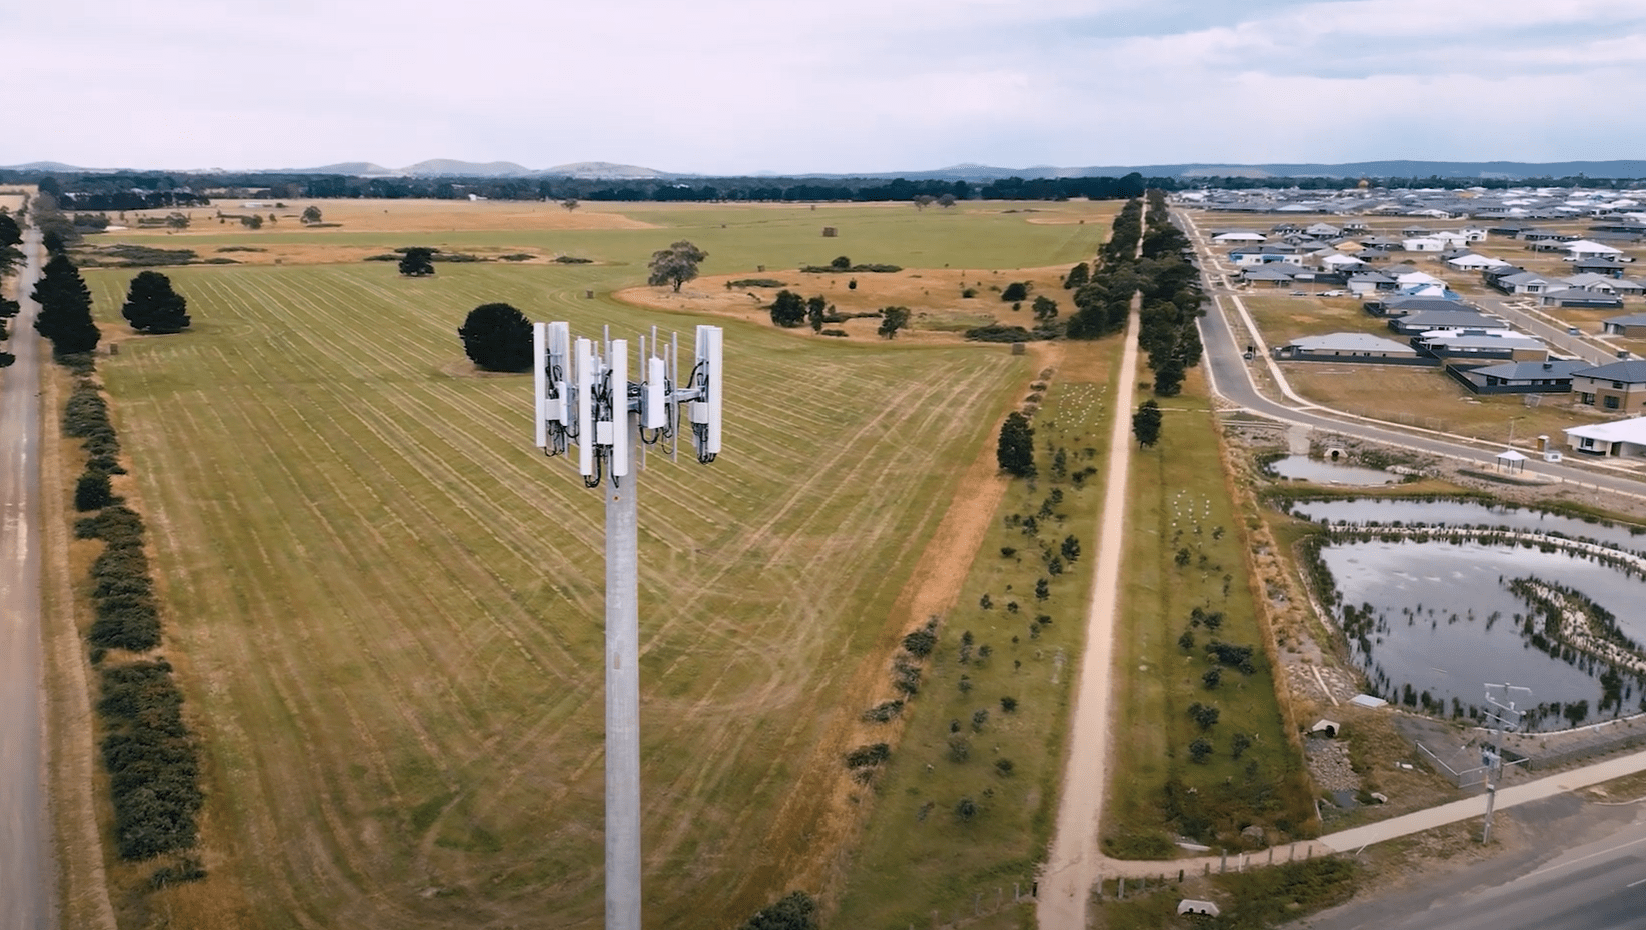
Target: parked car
1300	293
1333	293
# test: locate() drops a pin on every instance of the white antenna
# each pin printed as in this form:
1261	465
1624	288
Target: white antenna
583	396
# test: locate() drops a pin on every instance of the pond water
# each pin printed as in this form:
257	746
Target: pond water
1469	513
1303	468
1445	619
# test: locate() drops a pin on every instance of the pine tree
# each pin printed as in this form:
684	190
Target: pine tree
153	307
1016	449
65	309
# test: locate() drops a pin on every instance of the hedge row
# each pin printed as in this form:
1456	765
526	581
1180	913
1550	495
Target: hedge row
154	772
153	764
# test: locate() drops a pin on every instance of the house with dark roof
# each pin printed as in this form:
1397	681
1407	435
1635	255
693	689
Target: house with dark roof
1631	325
1472	347
1578	298
1370	282
1401	305
1461	318
1523	282
1277	274
1608	266
1614	386
1550	376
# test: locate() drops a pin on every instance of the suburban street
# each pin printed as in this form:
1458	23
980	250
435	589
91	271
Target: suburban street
1227	332
25	891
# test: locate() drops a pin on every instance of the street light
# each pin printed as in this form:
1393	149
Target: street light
1512	428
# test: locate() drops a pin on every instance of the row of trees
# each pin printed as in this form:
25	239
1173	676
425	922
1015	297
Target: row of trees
11	236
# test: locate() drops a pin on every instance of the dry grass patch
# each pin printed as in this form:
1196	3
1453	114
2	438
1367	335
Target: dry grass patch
1428	398
403	216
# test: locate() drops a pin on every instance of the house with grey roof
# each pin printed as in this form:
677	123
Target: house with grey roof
1461	318
1277	274
1614	386
1524	282
1607	265
1403	305
1549	376
1578	298
1358	348
1631	325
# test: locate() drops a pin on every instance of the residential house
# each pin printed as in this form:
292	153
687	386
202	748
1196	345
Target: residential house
1237	236
1474	346
1402	305
1351	347
1614	386
1247	256
1323	230
1343	264
1362	283
1582	249
1525	282
1278	274
1549	376
1423	244
1579	298
1606	265
1425	320
1471	261
1619	438
1632	325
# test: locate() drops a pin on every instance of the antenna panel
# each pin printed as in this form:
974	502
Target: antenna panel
618	392
540	380
583	375
706	412
654	412
559	351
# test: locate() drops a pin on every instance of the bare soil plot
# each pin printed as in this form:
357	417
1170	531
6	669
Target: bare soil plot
390	605
1282	318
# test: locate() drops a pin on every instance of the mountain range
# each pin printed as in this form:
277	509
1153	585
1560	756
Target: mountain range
600	170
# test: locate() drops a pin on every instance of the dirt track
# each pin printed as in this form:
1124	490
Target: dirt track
1073	864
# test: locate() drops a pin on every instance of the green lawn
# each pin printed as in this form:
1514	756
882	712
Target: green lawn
1186	550
385	605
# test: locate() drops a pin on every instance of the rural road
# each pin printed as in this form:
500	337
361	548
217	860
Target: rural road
25	892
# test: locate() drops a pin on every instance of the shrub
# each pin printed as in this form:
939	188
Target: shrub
92	492
960	749
1201	749
873	754
754	282
1015	291
920	643
883	712
573	260
1004	766
996	332
1008	704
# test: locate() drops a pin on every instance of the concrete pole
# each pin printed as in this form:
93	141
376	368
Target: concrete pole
622	702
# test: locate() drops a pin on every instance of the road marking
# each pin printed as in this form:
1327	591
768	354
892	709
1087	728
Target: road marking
1632	884
1552	868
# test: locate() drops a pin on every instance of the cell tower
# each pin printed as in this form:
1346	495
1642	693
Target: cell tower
585	399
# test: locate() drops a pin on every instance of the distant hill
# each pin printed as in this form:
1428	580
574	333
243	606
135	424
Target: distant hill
356	169
449	168
604	171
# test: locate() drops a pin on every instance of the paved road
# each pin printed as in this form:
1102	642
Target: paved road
1227	331
25	892
1597	884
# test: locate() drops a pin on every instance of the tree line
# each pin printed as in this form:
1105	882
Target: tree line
11	236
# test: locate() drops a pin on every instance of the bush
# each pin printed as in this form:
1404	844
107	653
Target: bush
996	332
1015	292
754	282
920	643
573	260
796	911
870	755
837	333
151	760
883	712
92	492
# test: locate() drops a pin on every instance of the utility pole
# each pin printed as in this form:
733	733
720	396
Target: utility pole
585	399
1504	717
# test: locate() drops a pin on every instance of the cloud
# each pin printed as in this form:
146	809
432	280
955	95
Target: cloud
739	86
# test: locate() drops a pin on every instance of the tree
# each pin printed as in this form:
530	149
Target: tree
65	309
893	319
945	200
788	309
841	263
1071	548
252	222
1077	277
175	220
1240	744
965	809
1045	308
153	307
1201	749
922	201
1146	423
570	203
1015	451
1204	715
10	237
1015	291
497	337
676	265
311	215
1168	378
796	911
814	312
417	261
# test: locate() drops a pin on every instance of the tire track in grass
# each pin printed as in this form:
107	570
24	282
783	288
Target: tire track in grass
249	658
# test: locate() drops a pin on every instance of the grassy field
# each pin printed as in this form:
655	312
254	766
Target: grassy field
1187	551
919	855
385	609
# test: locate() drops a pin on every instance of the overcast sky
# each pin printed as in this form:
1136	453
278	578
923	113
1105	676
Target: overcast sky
735	86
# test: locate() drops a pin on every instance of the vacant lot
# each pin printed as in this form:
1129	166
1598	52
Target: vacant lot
385	607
